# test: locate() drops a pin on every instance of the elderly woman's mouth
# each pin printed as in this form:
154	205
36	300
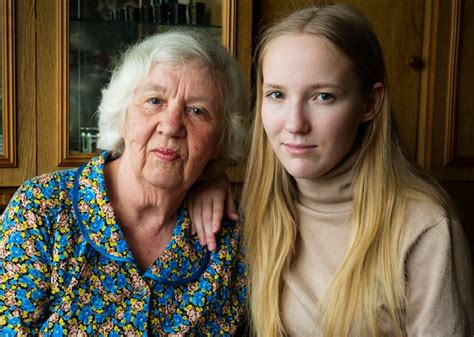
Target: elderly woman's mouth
166	155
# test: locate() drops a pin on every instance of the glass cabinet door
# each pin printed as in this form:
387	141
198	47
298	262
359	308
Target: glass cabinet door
93	34
8	153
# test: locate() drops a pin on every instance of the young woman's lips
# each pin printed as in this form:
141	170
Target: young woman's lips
166	155
298	149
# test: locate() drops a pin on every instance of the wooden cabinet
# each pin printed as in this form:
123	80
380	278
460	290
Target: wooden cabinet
20	16
450	142
8	154
449	137
43	44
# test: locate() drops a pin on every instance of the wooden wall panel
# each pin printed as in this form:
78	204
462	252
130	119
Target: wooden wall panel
450	147
25	96
243	53
452	139
463	128
47	108
8	153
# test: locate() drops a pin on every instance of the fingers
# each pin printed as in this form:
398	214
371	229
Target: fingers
217	214
207	215
231	211
194	212
201	213
207	204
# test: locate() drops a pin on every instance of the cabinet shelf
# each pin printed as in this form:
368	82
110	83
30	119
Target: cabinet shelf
143	23
84	34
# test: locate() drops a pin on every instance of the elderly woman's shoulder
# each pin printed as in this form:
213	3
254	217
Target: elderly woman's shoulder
36	205
58	181
49	188
231	233
231	225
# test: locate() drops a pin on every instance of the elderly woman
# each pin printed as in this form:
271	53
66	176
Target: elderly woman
106	249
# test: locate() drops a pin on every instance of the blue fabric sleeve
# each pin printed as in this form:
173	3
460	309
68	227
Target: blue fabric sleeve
24	263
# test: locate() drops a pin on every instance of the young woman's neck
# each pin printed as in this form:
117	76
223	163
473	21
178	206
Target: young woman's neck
332	192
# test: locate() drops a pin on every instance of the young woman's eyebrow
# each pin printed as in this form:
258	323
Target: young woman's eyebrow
335	85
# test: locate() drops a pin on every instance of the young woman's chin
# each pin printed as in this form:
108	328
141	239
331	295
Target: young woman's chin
306	171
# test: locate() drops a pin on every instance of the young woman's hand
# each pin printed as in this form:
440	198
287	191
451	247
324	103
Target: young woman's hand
208	201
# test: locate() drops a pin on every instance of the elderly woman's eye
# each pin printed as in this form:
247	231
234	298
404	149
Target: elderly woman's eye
154	101
197	111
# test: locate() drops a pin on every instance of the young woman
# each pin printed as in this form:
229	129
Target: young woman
345	237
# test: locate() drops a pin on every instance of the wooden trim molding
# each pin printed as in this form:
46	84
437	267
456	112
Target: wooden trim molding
450	156
425	119
62	71
64	156
229	26
8	157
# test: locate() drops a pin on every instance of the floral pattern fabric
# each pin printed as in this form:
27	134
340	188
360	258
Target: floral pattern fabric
71	272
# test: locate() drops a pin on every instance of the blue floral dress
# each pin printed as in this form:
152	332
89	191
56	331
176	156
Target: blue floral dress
66	269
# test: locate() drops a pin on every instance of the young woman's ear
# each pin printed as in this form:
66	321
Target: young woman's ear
374	102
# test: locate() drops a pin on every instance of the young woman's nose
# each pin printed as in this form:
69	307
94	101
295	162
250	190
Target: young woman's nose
296	119
171	121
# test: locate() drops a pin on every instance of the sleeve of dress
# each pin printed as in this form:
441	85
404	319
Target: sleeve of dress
229	307
24	264
240	280
439	283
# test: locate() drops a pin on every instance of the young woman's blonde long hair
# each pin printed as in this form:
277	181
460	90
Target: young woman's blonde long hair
384	181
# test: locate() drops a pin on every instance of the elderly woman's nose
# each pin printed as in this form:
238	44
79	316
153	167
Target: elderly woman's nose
171	122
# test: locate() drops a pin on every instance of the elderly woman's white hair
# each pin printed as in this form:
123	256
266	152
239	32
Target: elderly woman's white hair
176	47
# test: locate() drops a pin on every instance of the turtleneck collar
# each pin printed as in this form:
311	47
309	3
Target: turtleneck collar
332	192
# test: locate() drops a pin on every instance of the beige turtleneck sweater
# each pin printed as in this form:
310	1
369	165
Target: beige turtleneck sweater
434	256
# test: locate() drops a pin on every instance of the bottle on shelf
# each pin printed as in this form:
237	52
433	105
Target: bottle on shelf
161	12
196	12
176	13
146	13
133	14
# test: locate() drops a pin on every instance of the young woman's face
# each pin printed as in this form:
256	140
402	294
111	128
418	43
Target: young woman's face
311	104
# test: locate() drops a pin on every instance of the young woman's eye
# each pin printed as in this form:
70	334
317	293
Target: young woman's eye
154	101
275	94
324	96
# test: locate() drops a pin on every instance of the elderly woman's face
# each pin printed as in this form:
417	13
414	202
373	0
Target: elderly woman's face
172	125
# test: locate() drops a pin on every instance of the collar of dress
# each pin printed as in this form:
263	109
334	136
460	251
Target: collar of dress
182	258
